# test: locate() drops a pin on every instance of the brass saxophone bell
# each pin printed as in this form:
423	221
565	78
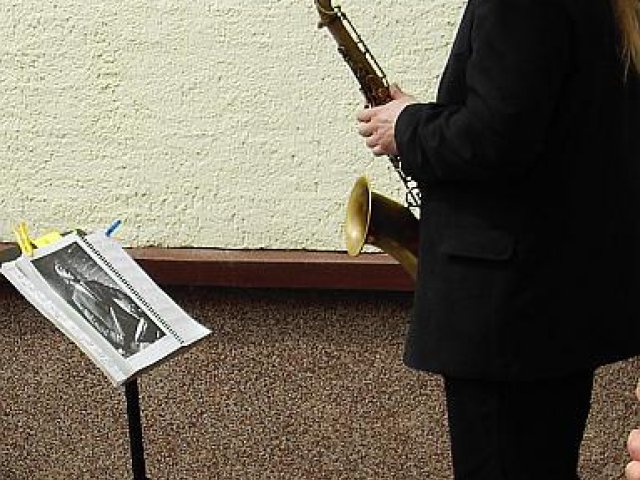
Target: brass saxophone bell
379	221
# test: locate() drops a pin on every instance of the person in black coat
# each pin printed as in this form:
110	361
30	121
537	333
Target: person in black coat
529	265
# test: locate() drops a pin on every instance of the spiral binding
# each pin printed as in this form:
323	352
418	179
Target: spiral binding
131	289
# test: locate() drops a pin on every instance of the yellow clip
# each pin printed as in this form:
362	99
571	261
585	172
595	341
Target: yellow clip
22	235
47	239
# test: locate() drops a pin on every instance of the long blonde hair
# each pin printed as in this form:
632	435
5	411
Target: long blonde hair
628	16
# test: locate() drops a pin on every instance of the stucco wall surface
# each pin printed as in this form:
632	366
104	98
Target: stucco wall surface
213	123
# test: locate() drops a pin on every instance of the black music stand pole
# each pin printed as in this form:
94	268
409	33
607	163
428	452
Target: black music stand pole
135	430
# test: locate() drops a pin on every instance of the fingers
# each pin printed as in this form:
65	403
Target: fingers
374	144
366	114
395	91
632	471
378	138
378	151
376	125
365	129
368	130
633	444
378	145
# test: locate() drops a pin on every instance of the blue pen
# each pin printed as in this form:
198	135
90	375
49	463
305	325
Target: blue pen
112	228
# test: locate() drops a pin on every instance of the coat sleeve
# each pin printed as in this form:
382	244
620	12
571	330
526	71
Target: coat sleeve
517	64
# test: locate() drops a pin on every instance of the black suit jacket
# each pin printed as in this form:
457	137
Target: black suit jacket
529	162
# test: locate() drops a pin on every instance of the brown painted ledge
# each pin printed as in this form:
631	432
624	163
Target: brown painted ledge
270	269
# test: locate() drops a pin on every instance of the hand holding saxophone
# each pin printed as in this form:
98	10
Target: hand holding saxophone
377	124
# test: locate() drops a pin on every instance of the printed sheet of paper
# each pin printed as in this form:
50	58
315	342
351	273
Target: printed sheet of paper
99	297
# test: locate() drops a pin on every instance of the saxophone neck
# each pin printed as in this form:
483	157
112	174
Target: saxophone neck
327	13
356	54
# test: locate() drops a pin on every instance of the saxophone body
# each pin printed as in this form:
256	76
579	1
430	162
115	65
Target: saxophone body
372	218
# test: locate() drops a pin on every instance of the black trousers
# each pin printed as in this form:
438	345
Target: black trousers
517	430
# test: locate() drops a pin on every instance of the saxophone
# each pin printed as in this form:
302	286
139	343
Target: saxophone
372	218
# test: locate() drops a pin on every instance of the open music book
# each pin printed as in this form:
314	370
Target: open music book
99	297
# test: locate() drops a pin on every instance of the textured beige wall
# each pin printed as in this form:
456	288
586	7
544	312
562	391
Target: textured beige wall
223	123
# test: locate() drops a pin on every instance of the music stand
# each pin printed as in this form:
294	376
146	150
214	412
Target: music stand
132	394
